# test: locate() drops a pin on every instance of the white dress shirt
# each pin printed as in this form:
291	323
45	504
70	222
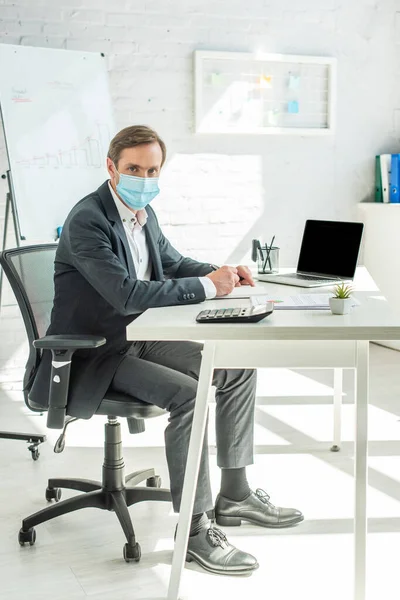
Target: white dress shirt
133	225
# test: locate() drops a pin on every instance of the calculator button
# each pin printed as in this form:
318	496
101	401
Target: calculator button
236	312
220	313
212	313
228	312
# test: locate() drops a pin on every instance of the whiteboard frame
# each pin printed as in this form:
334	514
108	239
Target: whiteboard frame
330	62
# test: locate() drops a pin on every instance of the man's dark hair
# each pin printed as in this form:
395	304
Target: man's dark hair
132	136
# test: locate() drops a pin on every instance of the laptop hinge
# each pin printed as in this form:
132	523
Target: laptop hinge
308	274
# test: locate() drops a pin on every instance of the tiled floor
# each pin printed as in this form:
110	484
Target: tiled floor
80	555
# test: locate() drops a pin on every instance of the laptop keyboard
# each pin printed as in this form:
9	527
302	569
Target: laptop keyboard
310	278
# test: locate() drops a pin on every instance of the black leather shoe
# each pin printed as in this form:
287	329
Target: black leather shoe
212	551
257	509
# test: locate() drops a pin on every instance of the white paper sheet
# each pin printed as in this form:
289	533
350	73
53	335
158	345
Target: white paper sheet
297	301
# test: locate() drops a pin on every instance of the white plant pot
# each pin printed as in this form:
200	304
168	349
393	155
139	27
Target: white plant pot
341	306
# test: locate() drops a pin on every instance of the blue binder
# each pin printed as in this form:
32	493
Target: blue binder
394	195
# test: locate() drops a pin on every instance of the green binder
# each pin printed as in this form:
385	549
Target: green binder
378	180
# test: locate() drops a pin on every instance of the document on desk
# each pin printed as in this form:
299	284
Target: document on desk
296	302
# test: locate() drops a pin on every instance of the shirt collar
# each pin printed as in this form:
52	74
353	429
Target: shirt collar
127	216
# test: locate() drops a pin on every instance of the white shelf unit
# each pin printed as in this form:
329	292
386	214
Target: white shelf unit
382	250
257	93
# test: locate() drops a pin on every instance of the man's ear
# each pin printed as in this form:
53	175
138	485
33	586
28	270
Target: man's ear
111	168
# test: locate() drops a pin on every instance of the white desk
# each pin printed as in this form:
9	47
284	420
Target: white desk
290	339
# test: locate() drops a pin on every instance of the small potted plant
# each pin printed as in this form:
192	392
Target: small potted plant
341	301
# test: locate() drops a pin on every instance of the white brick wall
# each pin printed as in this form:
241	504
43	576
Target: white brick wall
218	192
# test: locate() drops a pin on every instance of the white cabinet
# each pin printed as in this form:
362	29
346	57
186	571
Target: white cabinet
382	250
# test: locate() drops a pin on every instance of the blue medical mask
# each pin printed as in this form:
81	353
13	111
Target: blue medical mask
137	192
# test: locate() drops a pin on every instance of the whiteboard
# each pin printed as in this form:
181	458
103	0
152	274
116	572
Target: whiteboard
238	92
58	122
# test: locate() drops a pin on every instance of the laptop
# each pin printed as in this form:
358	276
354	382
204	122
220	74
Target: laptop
328	254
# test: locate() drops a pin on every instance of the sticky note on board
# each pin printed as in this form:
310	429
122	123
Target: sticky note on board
272	117
265	81
294	81
293	107
216	79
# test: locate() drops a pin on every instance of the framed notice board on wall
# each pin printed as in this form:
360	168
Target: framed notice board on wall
249	93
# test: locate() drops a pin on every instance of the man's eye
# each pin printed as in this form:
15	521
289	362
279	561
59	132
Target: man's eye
131	169
152	171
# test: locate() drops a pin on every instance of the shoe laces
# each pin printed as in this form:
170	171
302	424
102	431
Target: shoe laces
264	497
216	537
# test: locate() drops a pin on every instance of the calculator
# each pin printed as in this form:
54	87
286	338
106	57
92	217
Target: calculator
250	314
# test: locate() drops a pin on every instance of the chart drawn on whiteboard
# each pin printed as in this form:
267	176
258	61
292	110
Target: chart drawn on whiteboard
89	153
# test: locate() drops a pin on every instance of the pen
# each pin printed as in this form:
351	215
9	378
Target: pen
268	253
254	250
260	251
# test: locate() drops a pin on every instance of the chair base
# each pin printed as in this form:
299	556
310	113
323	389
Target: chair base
33	439
111	494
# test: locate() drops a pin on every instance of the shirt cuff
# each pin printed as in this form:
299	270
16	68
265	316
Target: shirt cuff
209	288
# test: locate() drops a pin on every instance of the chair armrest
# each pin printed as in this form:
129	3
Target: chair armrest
69	342
62	348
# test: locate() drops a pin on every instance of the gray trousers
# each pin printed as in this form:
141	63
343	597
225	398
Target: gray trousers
166	374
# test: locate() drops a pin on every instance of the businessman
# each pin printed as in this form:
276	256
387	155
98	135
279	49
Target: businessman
112	263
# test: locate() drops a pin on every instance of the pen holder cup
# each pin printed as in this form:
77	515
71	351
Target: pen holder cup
272	264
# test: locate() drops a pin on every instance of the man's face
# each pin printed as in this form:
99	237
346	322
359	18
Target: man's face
140	161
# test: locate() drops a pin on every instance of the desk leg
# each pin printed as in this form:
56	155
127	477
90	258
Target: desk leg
192	469
337	408
361	450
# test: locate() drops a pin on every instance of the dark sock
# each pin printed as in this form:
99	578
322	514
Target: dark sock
234	484
199	521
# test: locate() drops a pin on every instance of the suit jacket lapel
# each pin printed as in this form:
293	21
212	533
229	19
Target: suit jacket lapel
113	216
119	229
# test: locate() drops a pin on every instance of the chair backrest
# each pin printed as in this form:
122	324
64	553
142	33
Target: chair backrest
30	272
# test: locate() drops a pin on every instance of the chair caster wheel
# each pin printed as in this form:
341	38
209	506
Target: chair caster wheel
53	494
154	481
35	454
335	448
25	537
132	553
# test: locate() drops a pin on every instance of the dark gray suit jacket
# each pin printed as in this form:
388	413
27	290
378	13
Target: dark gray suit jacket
97	292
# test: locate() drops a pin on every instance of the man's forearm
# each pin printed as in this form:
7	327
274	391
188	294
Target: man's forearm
194	268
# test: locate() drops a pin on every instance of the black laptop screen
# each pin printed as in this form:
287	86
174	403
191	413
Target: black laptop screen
330	248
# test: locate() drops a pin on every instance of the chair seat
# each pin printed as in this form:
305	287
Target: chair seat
119	405
123	405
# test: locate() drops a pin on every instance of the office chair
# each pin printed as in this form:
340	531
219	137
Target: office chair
32	438
30	272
